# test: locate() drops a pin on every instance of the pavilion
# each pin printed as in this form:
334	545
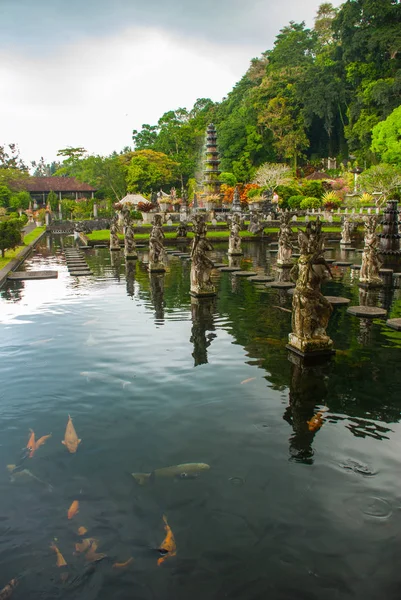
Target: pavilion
66	187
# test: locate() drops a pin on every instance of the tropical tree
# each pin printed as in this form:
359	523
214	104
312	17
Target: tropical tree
271	175
10	236
382	178
148	169
386	138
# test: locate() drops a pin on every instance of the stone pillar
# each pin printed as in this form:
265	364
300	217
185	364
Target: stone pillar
95	210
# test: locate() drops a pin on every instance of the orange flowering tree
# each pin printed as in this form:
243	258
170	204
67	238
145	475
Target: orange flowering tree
228	191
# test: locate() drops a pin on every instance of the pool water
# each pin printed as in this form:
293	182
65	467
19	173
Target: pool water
153	378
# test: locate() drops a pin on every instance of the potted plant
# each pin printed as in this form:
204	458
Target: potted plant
211	201
39	217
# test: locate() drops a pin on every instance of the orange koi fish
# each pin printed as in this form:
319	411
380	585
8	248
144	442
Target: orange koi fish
168	545
8	589
74	508
31	445
122	565
42	440
60	558
82	530
71	440
316	421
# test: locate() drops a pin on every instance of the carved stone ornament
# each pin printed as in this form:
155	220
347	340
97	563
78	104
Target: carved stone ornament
234	243
114	241
284	241
201	267
157	254
369	273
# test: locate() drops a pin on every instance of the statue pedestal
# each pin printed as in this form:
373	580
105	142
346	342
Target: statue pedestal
115	248
156	267
234	253
283	272
311	348
376	283
202	294
131	256
345	243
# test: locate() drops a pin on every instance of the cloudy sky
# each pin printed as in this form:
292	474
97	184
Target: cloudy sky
88	72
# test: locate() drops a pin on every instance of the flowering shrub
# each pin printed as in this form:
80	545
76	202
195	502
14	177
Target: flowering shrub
228	191
340	187
145	206
332	199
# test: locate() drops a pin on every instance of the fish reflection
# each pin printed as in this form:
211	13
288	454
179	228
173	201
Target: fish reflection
157	295
307	389
202	310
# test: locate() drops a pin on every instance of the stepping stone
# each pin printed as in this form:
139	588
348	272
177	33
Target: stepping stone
229	269
273	244
284	285
141	245
77	266
329	260
176	252
359	250
261	278
338	300
394	324
368	312
348	248
20	275
273	250
328	249
80	273
295	255
100	246
170	251
340	263
183	255
85	247
397	275
218	265
245	273
356	267
334	241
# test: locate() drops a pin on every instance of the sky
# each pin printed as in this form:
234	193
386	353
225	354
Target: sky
88	72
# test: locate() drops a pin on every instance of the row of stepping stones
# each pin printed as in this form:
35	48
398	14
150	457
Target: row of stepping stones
76	263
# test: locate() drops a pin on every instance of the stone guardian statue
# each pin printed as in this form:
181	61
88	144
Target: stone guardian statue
201	267
157	254
114	241
284	241
234	242
369	273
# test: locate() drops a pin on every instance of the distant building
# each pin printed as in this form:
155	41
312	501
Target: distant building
65	187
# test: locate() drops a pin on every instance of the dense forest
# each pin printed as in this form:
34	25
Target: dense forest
330	91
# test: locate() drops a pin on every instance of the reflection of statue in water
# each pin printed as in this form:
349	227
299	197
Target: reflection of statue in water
182	230
369	273
310	309
129	243
115	260
201	267
114	241
284	240
157	295
346	232
307	389
157	254
202	320
234	243
255	226
130	278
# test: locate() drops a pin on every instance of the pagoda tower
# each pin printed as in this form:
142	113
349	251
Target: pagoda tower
211	183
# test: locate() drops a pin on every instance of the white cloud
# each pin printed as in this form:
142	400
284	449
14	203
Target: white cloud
95	91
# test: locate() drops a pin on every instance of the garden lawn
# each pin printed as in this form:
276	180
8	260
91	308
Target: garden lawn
10	254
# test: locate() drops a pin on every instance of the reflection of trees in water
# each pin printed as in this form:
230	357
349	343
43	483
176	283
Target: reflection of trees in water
202	310
157	295
308	390
130	266
12	291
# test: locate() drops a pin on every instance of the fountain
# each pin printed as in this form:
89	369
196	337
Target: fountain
234	243
114	241
390	237
157	254
201	267
310	309
211	183
369	273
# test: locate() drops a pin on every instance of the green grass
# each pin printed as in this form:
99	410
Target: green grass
10	254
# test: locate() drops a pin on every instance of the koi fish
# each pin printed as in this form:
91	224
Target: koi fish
92	555
31	443
168	546
176	471
42	440
60	562
248	380
316	421
8	589
73	510
71	440
122	565
82	530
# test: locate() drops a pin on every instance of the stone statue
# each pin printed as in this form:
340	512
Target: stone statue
153	197
346	232
173	194
114	241
182	230
310	309
126	217
201	267
129	243
285	246
236	205
157	254
255	226
234	243
369	273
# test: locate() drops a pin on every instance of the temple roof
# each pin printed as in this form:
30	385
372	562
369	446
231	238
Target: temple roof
55	184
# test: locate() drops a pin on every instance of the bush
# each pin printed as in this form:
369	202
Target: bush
313	189
136	215
294	202
254	193
330	199
10	235
310	202
285	192
228	179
